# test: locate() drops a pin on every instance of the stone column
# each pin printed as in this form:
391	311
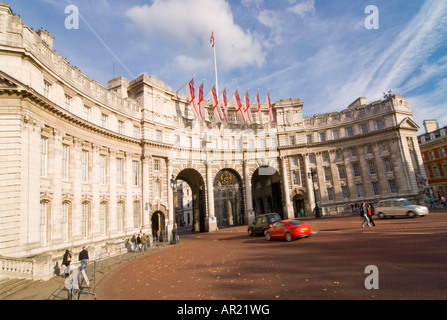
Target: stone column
212	223
288	212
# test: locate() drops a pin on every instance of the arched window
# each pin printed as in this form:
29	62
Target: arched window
86	220
66	221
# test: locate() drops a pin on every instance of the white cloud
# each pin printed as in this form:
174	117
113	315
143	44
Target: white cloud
189	23
303	8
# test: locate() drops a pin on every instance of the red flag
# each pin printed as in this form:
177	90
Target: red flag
259	109
239	107
270	108
200	102
192	97
247	109
225	105
216	107
212	42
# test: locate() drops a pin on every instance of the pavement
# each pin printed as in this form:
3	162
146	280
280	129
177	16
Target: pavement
54	289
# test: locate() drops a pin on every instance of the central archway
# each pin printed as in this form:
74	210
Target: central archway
266	191
195	180
228	199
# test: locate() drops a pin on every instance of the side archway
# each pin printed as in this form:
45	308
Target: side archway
228	199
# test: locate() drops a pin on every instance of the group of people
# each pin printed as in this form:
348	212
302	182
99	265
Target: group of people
139	242
83	257
367	212
432	203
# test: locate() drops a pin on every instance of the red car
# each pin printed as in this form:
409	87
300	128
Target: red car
288	229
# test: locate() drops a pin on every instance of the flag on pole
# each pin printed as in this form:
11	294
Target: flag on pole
212	42
225	104
248	114
239	110
270	108
192	97
259	109
200	105
216	107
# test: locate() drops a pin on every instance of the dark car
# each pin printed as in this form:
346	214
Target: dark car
262	223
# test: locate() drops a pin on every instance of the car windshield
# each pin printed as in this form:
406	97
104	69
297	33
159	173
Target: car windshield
405	202
295	222
275	217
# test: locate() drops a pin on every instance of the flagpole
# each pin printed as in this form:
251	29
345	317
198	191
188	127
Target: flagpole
215	62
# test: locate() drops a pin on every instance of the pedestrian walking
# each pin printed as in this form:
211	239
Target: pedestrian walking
144	241
138	243
370	214
364	214
83	257
443	201
432	202
66	260
134	242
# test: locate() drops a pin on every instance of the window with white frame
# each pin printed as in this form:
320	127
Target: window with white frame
135	173
102	169
119	171
84	166
43	157
67	103
65	161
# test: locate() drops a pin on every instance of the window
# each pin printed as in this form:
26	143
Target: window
342	172
136	132
43	156
375	186
103	218
436	172
330	193
336	134
159	136
44	207
327	174
388	165
309	138
353	152
67	103
65	161
102	169
120	216
349	132
312	158
380	125
156	165
296	178
393	188
85	219
291	140
442	153
119	171
104	120
66	207
157	190
84	165
46	89
357	171
345	192
372	167
136	214
120	127
325	156
322	136
368	149
364	128
360	192
135	172
87	112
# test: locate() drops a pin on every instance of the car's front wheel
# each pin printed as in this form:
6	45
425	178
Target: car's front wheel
289	237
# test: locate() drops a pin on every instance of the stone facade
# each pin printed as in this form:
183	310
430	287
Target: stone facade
83	164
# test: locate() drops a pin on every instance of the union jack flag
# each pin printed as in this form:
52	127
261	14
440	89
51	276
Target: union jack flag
212	42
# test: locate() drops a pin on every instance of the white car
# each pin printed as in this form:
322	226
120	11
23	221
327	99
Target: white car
399	207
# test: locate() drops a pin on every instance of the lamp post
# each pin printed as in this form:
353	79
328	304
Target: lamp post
174	230
314	175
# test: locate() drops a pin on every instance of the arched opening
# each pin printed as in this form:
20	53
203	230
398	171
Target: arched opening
197	185
228	199
266	191
159	231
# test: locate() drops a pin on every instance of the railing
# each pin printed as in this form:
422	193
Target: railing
14	267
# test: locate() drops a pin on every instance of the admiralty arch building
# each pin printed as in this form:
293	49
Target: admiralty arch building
84	164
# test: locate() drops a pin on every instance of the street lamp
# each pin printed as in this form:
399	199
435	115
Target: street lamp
174	230
314	175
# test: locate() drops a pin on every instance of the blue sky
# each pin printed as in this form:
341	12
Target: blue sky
317	50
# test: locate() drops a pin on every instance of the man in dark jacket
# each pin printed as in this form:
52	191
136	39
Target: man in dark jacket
83	257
